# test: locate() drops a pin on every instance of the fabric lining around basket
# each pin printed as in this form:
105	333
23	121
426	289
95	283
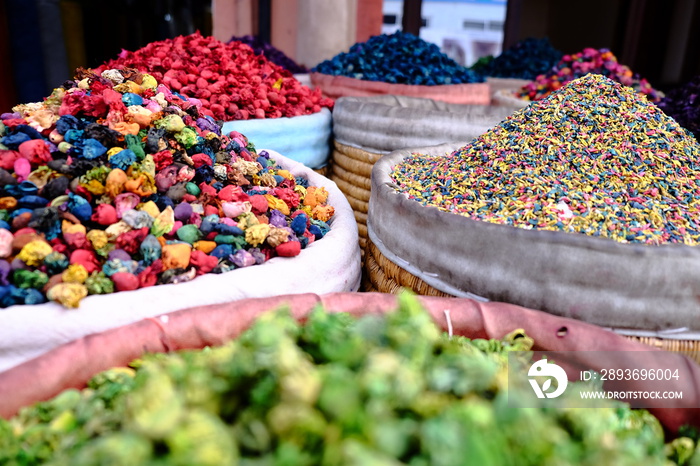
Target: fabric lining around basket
384	276
384	123
331	264
630	287
366	128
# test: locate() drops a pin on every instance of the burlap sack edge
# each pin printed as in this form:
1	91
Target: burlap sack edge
601	281
506	83
385	123
28	331
507	98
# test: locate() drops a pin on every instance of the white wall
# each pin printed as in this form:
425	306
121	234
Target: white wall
482	35
326	28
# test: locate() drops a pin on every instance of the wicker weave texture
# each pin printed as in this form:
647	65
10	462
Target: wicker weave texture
387	277
351	170
380	274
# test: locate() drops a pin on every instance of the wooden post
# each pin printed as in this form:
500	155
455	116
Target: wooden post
412	20
284	23
8	96
264	20
511	29
325	28
231	18
370	17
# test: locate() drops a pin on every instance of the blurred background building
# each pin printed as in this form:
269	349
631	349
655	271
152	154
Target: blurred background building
42	42
465	30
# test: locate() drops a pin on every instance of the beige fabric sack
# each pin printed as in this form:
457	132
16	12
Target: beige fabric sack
331	264
634	288
384	123
507	98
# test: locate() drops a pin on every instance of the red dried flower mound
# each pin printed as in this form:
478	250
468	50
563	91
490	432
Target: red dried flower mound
230	80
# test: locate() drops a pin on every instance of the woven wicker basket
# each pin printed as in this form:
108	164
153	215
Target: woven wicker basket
366	128
384	276
380	274
351	170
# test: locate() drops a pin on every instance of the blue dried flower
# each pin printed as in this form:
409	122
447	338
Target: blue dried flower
67	122
129	99
80	207
93	149
123	159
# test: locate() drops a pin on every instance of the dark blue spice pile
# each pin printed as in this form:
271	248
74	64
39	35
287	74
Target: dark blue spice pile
272	53
400	58
683	105
525	60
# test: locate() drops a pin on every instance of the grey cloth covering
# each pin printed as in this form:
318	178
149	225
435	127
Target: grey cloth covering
512	84
635	287
506	98
384	123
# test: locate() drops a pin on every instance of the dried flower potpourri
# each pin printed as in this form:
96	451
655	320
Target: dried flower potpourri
114	183
271	52
589	60
525	60
400	58
595	158
683	104
230	80
382	389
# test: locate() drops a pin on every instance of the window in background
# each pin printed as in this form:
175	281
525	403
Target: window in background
465	30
